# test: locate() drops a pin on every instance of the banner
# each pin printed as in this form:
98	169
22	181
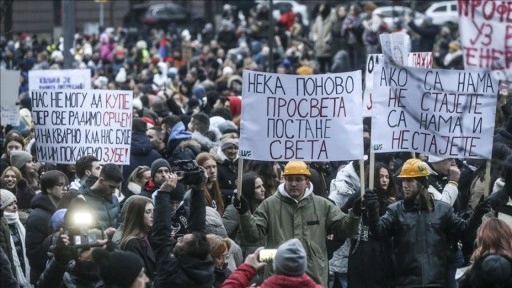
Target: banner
59	79
74	123
447	113
310	118
486	34
395	48
374	62
9	87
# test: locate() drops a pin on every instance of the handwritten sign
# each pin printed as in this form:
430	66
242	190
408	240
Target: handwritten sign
74	123
9	86
486	34
447	113
374	62
311	118
59	79
395	47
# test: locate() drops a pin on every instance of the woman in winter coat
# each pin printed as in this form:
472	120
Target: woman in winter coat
17	238
136	227
254	192
136	181
366	253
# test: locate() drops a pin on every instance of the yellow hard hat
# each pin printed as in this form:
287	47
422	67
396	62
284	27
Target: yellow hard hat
296	168
414	168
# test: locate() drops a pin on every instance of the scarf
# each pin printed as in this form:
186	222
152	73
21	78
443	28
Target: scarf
23	279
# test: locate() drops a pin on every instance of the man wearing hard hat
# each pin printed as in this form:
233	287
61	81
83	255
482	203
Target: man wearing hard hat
295	212
421	228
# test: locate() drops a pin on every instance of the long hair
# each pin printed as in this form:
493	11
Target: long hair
201	158
390	192
425	198
248	188
16	172
133	224
265	169
493	236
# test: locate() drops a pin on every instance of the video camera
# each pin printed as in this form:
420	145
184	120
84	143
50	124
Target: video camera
188	171
82	233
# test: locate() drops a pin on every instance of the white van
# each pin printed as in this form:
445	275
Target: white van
444	12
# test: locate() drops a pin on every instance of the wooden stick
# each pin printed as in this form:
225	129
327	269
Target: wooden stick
239	178
371	173
361	175
487	178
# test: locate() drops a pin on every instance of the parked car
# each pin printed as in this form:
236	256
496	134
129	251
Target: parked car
443	13
392	15
162	15
280	5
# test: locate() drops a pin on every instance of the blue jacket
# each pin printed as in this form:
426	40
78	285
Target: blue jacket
141	153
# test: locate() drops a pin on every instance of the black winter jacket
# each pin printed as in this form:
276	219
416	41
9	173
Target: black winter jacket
420	240
181	270
38	228
141	153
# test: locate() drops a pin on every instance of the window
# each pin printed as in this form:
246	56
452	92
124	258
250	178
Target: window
440	9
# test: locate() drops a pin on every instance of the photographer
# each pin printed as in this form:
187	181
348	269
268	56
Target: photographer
187	262
289	263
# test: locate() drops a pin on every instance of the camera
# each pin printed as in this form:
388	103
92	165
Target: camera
267	255
82	233
188	171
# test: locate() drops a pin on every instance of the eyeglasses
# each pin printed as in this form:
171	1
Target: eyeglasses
63	186
294	179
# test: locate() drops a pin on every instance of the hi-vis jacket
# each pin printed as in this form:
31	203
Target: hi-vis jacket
280	218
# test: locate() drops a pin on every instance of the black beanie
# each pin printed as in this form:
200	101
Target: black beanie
491	270
156	165
117	268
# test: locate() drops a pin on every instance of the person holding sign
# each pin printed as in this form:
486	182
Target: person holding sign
420	227
295	212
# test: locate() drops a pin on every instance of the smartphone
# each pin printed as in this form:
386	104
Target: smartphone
267	255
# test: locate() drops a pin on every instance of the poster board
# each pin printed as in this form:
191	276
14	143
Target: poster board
293	117
448	113
70	124
59	79
9	87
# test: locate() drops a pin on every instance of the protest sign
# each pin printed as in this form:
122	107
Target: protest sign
311	118
59	79
374	62
74	123
10	83
447	113
395	47
486	34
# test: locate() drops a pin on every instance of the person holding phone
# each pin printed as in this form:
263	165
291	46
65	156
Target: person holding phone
289	262
295	212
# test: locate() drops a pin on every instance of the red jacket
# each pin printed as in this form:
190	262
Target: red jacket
245	272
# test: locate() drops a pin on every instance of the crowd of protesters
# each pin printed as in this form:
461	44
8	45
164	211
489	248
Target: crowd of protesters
147	226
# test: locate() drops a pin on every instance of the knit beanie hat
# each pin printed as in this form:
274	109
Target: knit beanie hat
139	125
7	198
157	164
226	142
118	269
20	158
290	258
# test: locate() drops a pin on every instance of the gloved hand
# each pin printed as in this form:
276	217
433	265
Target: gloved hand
483	207
371	200
241	204
356	207
63	253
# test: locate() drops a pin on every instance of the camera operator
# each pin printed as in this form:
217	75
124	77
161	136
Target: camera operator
186	262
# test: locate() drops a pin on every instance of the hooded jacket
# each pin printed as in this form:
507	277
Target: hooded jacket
310	219
345	184
38	228
106	207
141	153
242	277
